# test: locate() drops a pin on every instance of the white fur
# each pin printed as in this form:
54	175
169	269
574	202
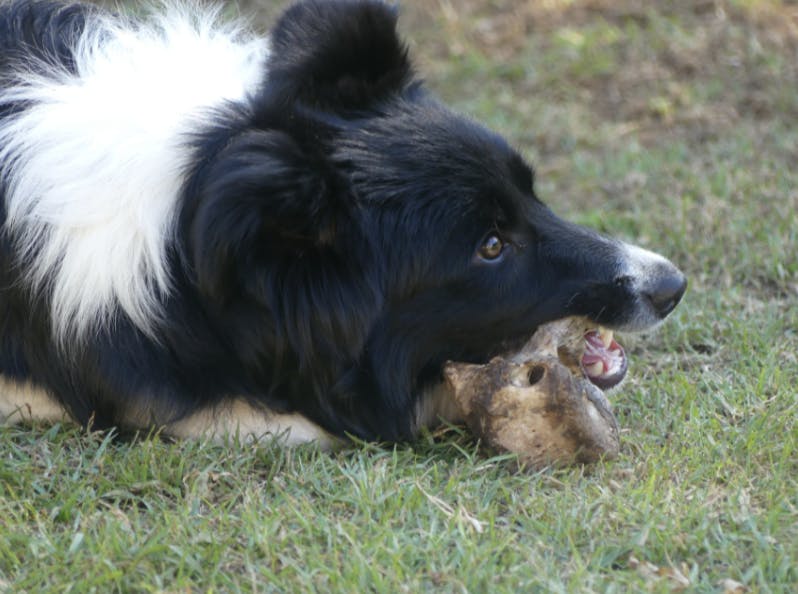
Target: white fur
644	266
646	269
95	166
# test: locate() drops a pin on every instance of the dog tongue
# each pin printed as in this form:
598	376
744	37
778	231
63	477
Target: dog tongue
604	361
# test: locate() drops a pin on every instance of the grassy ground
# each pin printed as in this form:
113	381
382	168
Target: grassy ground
672	124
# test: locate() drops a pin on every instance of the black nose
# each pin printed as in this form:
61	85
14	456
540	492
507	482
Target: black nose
665	292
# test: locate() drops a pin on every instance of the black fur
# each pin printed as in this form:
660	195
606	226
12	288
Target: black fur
326	259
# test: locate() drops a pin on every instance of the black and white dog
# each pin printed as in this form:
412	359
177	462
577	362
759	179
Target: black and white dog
212	233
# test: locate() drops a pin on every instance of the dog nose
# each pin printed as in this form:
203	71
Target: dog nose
666	290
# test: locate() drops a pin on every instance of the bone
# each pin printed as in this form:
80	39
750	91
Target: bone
536	402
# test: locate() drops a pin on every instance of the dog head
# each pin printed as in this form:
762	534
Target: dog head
356	229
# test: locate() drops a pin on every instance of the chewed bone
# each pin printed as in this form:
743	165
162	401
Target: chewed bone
537	402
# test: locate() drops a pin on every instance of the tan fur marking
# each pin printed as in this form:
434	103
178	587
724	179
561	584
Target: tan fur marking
438	406
238	418
24	402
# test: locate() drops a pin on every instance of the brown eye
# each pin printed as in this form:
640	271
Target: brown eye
491	248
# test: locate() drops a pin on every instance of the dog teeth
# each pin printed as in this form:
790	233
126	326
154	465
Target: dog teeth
606	336
595	369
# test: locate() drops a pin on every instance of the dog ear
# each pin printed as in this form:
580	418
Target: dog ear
339	54
260	198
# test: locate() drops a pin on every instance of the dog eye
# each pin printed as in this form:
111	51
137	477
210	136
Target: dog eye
491	248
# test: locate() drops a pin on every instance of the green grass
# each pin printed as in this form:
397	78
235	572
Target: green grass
670	124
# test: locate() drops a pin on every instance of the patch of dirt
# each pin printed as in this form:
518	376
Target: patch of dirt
713	42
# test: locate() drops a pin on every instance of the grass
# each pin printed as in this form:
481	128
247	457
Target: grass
671	124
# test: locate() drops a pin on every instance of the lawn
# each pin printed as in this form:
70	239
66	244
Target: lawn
671	124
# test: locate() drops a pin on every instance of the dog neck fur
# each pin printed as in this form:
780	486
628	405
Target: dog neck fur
94	164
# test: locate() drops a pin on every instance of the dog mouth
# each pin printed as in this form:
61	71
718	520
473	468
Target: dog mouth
604	361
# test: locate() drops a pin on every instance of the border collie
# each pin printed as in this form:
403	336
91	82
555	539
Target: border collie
213	233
